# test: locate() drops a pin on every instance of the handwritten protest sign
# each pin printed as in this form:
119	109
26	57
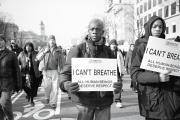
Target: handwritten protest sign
161	55
94	74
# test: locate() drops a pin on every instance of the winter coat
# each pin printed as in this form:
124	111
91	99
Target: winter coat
23	63
87	49
157	100
120	63
10	78
16	50
52	60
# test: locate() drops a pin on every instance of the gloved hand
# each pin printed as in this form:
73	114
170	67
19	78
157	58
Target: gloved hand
117	86
71	87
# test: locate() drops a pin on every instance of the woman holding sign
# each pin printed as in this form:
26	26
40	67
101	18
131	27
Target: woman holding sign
158	93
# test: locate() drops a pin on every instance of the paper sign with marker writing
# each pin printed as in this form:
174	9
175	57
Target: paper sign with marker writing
94	74
162	55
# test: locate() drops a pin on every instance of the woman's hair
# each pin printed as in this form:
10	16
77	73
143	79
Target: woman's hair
28	44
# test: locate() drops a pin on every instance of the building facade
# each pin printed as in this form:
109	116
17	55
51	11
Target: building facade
9	30
29	36
120	20
169	10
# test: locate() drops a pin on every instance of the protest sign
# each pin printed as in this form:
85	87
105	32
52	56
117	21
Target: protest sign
94	74
162	55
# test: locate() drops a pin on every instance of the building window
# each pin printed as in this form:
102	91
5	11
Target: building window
137	23
159	1
160	12
174	28
166	11
137	1
149	4
119	1
141	9
154	13
173	8
145	6
167	30
141	22
154	3
137	11
145	19
149	16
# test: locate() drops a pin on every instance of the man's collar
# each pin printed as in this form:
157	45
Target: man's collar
100	42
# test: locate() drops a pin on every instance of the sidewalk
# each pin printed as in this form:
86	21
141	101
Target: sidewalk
128	112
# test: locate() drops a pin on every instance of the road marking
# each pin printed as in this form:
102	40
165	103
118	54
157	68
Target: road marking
49	115
37	107
18	115
57	111
14	100
68	119
13	95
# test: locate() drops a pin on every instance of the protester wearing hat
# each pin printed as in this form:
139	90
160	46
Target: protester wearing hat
53	62
10	79
121	69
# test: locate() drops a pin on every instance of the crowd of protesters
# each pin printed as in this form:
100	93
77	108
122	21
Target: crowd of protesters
25	69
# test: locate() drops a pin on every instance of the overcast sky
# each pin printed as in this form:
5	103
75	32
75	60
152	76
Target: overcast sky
66	19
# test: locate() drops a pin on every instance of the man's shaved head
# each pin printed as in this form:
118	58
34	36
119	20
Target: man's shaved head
96	29
99	22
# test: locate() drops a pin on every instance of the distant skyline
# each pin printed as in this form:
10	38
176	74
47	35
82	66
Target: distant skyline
66	19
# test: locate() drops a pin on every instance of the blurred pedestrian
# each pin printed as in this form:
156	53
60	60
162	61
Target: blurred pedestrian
29	70
158	93
14	47
128	59
91	105
10	79
128	65
120	70
53	62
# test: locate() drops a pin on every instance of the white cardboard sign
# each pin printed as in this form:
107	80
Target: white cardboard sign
94	74
162	55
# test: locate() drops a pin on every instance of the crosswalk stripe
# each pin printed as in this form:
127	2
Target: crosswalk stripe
13	95
17	97
57	111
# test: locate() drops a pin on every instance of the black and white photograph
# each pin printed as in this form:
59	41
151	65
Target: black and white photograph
89	59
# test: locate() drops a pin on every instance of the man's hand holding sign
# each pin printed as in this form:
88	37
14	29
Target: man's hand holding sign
71	87
93	74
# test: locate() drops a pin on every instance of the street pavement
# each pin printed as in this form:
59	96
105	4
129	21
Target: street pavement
66	110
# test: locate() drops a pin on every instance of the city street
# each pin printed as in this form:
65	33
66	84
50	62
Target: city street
78	38
41	111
